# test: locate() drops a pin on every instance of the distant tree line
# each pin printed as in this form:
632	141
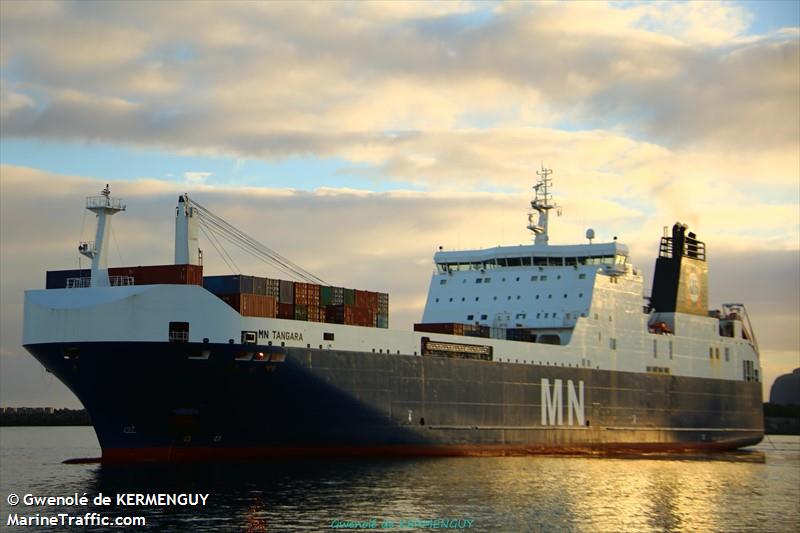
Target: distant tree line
43	416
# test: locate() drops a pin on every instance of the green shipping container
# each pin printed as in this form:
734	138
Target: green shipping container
325	296
349	297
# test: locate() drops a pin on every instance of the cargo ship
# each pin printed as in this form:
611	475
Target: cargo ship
524	349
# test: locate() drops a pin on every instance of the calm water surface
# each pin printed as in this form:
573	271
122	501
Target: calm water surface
753	490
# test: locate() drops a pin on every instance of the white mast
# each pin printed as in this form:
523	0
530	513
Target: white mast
187	248
542	203
103	206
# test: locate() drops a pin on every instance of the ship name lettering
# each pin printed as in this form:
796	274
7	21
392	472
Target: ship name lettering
552	404
287	335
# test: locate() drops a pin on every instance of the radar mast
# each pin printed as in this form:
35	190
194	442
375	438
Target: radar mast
542	203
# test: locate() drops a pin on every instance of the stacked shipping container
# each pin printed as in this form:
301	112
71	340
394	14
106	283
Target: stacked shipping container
142	275
304	301
259	297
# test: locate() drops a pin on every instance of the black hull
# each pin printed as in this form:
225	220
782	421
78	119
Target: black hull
151	401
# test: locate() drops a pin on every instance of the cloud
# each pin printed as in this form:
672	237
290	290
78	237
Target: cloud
374	240
195	178
280	79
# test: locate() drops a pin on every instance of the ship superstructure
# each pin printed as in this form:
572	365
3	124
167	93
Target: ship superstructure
521	349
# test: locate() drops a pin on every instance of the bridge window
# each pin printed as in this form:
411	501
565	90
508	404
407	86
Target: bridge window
483	317
487	280
437	299
612	343
581	276
442	282
470	317
534	278
479	280
727	354
451	299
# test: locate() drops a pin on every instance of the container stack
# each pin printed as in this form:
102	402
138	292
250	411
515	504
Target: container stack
246	294
141	275
302	301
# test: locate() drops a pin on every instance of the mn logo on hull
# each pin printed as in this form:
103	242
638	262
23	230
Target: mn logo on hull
553	405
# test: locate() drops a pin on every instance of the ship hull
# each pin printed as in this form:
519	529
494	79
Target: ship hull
152	401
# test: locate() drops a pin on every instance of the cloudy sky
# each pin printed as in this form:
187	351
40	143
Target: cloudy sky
356	138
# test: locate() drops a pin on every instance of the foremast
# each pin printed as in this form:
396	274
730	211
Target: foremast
542	203
104	206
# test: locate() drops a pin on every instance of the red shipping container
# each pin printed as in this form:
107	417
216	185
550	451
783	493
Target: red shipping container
300	293
350	315
447	328
161	274
286	311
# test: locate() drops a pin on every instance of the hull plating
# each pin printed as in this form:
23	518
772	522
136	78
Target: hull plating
167	402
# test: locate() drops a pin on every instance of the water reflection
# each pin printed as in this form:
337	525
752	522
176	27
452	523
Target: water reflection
749	490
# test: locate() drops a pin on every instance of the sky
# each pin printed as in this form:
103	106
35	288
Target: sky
356	138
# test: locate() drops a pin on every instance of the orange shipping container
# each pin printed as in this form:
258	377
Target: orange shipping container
247	304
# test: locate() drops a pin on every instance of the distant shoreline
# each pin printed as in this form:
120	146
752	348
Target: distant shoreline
778	420
43	416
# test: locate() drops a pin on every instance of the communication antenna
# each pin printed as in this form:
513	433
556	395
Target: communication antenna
542	203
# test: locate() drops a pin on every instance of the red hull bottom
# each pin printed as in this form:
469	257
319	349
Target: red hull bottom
126	455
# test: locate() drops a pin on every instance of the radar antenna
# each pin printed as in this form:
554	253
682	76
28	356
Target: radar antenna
542	203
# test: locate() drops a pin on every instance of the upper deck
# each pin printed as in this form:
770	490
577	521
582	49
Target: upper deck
611	253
